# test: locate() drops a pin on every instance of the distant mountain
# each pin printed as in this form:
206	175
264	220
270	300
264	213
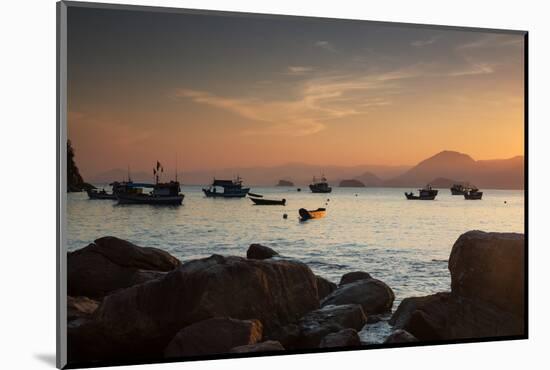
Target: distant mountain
75	183
442	182
351	183
499	174
370	180
285	183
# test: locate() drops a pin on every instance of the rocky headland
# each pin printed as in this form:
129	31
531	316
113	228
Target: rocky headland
127	302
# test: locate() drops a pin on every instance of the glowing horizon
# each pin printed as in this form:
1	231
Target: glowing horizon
221	92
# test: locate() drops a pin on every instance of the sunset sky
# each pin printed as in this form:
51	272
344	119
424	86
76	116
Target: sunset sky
219	91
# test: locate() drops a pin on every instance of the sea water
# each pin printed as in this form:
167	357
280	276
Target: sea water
405	243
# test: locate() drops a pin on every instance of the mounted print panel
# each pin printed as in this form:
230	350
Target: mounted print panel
240	184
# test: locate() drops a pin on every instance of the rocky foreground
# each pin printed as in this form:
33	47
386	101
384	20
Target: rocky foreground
130	303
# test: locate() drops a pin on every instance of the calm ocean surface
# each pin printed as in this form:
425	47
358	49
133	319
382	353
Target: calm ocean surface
405	243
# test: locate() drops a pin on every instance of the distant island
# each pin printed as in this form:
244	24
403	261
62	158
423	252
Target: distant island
285	183
351	183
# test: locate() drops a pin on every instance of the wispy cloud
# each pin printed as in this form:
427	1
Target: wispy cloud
325	45
298	70
315	102
421	43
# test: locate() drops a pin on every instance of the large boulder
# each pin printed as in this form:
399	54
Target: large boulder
260	252
354	276
373	295
324	287
344	338
449	316
80	307
214	336
329	319
142	319
110	264
400	336
267	346
490	267
404	311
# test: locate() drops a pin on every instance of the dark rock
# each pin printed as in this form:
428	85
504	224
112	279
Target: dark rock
214	336
400	336
324	287
448	316
351	277
329	319
80	307
490	267
373	319
142	319
110	264
260	252
343	338
402	315
288	335
267	346
374	295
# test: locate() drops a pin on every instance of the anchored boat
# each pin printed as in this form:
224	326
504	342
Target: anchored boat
162	194
426	193
473	194
231	189
310	215
268	202
100	194
320	186
459	189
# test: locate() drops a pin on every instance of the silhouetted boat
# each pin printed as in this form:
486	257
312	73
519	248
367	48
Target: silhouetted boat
268	202
473	194
310	215
426	193
100	194
459	189
231	189
320	186
255	195
162	194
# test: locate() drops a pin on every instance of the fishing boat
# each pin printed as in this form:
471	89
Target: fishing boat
268	202
100	194
473	194
320	186
162	194
459	189
426	193
311	215
231	189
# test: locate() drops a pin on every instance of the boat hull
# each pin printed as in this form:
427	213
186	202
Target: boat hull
458	192
97	195
214	194
311	215
174	200
411	196
315	189
268	202
476	196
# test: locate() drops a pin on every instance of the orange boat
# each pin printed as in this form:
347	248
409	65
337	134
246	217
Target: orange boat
309	215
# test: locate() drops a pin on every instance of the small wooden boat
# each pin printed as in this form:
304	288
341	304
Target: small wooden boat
309	215
473	194
426	193
231	189
101	194
162	194
268	202
255	195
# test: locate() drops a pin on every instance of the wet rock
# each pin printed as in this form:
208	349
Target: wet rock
343	338
400	336
329	319
373	319
214	336
260	252
80	307
110	264
142	319
351	277
490	267
288	335
402	315
373	295
267	346
324	287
